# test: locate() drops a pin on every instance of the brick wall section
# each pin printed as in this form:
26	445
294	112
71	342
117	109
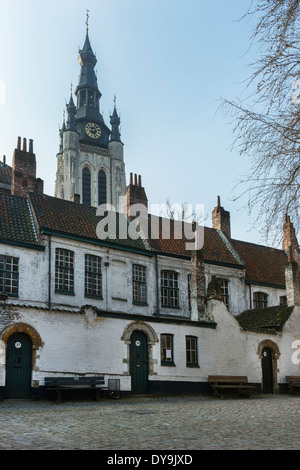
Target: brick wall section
135	193
24	171
292	277
221	219
198	287
289	234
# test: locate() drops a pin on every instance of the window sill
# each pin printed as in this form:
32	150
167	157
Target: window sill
4	294
119	299
168	364
91	296
141	304
193	366
64	292
170	307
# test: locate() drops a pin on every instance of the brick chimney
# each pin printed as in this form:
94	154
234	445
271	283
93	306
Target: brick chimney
289	235
221	219
292	279
24	170
198	310
75	198
135	193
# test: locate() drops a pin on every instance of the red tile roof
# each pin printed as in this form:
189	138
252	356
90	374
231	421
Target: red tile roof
263	264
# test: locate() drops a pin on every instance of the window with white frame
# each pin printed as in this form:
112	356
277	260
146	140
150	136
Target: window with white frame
191	351
139	285
169	289
9	275
93	277
64	271
224	291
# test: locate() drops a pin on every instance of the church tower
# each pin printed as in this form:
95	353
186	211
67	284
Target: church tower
90	161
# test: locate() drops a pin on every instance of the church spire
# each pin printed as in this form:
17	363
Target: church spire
115	123
71	110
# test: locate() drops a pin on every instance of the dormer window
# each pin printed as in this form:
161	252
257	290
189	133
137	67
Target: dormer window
260	300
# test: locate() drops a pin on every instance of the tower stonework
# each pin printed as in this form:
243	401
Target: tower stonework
90	160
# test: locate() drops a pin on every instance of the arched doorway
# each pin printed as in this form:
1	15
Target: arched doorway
269	353
18	366
139	362
267	370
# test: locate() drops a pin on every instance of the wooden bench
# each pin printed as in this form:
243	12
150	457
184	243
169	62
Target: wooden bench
293	382
61	384
235	382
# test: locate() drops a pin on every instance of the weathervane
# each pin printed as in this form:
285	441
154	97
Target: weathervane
87	19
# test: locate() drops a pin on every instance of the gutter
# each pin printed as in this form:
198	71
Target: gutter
49	272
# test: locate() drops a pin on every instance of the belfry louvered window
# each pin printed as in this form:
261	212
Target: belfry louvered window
86	186
102	198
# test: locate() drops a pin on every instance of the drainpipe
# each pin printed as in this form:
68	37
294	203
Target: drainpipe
250	296
49	272
157	285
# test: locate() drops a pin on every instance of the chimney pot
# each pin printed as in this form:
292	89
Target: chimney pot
24	145
135	179
19	143
140	180
30	146
131	178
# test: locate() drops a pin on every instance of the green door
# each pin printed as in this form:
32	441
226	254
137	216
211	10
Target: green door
18	366
267	370
139	362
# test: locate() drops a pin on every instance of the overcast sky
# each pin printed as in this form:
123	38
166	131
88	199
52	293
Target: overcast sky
167	61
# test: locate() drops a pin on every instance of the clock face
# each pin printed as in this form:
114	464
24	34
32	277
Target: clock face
93	130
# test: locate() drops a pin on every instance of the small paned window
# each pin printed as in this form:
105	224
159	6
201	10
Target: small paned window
9	275
86	186
224	291
191	351
283	300
169	289
139	286
166	350
102	191
93	277
260	300
64	271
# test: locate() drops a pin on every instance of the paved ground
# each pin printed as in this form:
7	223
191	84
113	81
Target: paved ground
268	422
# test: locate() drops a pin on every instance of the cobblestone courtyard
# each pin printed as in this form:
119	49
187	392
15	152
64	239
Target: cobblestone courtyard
266	422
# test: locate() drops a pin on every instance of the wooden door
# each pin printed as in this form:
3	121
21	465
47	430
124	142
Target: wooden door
267	370
18	366
139	362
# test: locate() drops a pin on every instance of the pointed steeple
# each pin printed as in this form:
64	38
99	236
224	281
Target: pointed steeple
115	123
87	92
71	110
86	54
